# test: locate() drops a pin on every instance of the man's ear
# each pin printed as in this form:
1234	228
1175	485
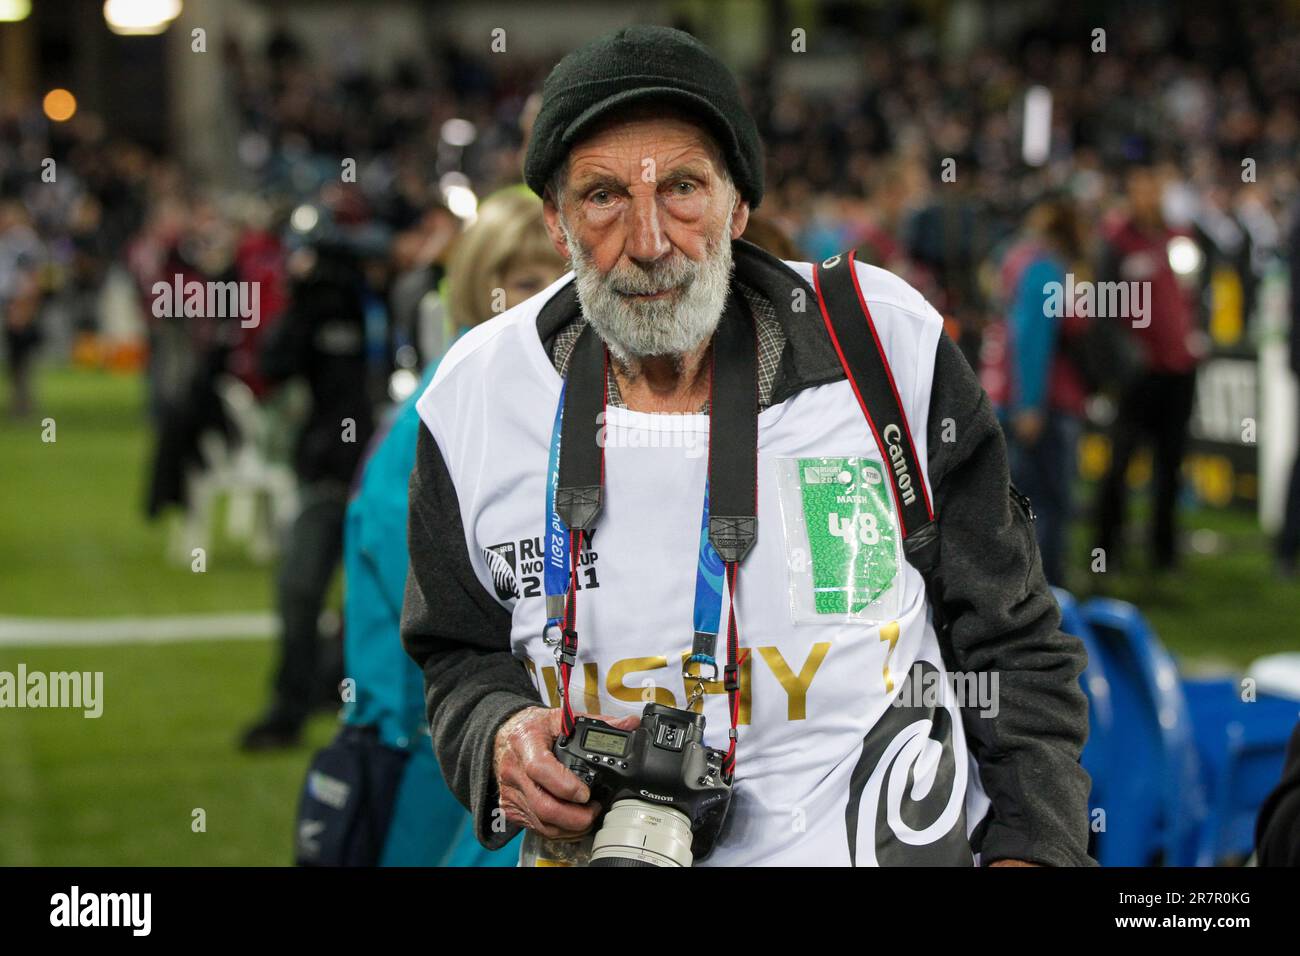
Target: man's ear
551	213
739	218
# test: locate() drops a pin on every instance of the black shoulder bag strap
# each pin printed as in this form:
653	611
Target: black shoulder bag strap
863	357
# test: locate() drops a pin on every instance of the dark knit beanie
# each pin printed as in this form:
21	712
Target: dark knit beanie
635	64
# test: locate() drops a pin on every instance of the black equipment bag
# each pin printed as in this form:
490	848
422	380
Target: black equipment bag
347	800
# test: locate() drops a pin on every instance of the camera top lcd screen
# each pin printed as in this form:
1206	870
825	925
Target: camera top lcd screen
615	745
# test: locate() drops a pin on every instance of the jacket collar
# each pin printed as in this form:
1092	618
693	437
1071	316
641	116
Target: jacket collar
808	359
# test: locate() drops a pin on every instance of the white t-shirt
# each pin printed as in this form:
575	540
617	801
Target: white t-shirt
828	772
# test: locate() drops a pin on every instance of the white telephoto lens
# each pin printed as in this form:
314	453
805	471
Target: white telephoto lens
637	833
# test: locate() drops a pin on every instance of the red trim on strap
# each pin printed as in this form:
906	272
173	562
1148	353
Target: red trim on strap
605	401
733	651
568	725
866	412
889	372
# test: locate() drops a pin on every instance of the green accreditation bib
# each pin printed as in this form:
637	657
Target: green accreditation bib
842	538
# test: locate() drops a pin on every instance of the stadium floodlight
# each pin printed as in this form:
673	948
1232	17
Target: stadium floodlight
140	17
459	196
402	384
1036	142
59	105
11	11
1184	256
458	132
304	218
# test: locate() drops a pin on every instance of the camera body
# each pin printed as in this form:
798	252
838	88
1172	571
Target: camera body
661	766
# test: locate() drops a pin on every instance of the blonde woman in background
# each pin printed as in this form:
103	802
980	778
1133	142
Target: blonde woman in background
501	260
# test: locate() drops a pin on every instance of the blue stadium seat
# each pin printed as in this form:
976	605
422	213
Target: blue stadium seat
1242	746
1096	757
1155	800
1101	719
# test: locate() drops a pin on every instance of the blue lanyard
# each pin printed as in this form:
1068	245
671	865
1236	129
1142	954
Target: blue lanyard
557	533
708	575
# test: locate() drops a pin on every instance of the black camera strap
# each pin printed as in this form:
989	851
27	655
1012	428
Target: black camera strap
867	369
732	470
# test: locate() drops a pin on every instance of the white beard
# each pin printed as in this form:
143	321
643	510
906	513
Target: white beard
674	326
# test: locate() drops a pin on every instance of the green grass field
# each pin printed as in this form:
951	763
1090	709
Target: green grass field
123	788
75	539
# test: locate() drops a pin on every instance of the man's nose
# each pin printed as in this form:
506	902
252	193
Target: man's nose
646	241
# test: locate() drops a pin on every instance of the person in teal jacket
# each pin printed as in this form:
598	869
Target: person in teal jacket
1042	403
500	261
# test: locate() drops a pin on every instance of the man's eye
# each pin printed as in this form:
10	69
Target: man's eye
683	187
601	197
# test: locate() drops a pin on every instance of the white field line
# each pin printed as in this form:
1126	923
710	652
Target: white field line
47	632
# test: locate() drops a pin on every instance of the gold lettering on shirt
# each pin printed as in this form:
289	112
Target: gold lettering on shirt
717	687
549	675
532	671
796	688
590	684
636	695
590	687
889	632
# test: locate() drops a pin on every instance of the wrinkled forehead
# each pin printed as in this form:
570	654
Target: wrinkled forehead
655	132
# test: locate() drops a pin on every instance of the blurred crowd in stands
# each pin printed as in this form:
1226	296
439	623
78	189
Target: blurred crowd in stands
346	191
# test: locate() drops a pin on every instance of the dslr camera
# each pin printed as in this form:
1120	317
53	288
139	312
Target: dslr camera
664	792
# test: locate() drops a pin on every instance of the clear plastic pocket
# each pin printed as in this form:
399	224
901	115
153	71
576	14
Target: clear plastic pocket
842	544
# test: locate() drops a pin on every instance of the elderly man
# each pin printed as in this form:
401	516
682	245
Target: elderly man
593	568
